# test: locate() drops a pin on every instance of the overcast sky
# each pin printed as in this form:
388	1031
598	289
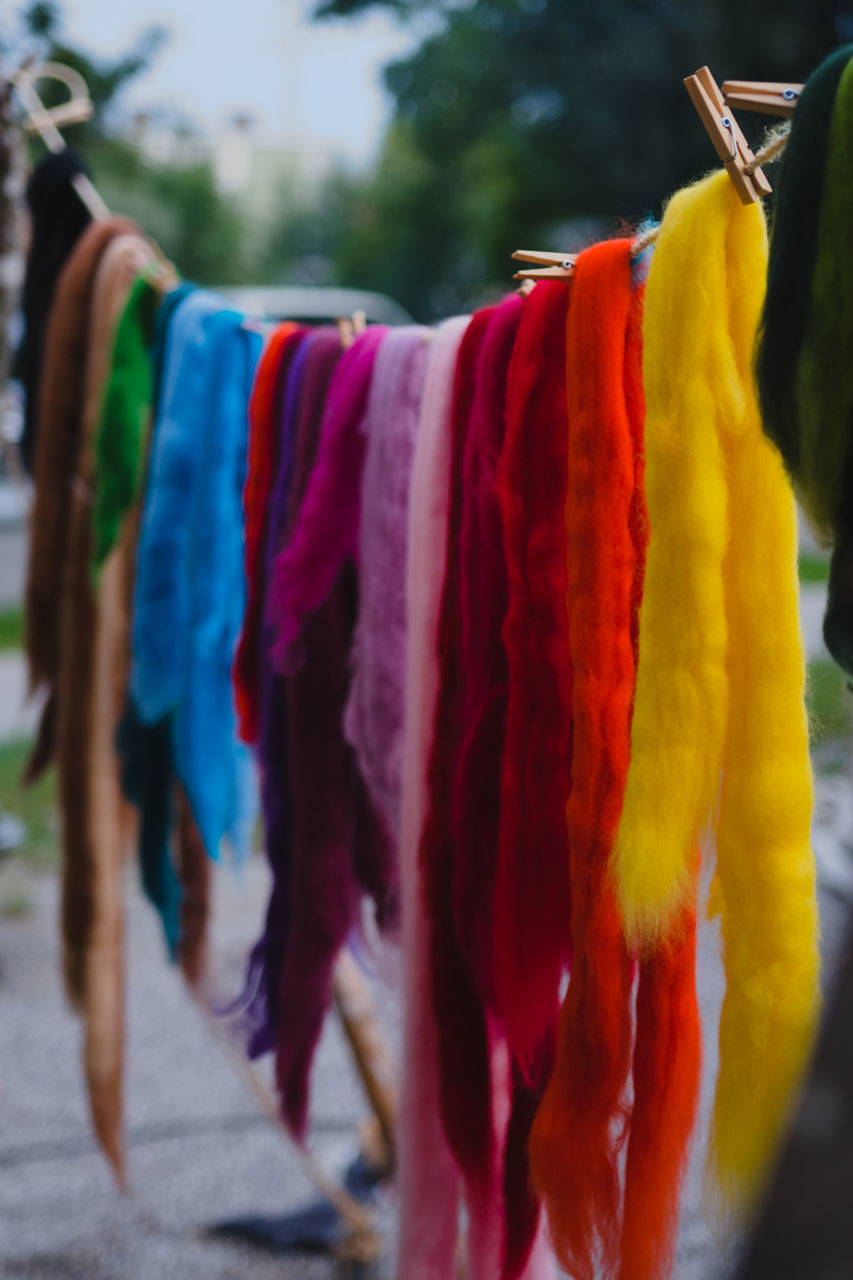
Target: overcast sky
311	82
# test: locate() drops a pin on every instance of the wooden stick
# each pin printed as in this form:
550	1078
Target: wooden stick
372	1056
358	1218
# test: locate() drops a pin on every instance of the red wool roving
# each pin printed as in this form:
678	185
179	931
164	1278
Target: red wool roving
460	1017
532	902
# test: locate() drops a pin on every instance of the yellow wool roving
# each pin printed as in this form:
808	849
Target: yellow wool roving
719	738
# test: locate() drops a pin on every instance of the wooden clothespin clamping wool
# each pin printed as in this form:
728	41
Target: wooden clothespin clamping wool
766	97
728	139
552	266
349	327
345	331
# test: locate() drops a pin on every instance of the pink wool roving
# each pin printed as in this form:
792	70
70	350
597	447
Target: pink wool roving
427	1177
373	722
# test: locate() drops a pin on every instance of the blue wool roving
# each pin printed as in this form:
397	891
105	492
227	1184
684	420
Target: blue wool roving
189	592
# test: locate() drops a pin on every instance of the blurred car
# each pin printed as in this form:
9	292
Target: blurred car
313	304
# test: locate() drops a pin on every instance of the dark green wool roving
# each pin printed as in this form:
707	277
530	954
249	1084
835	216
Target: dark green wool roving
147	777
838	621
125	417
824	380
793	251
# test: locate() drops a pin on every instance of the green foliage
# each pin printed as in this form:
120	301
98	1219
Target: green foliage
36	805
813	568
105	78
516	118
11	628
178	204
827	701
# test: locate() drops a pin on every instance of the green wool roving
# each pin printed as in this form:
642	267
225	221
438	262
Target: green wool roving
793	250
125	417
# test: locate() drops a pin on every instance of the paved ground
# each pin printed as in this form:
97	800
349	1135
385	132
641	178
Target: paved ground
13	559
18	715
200	1152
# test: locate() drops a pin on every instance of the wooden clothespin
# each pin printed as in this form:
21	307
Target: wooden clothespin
349	327
725	133
553	266
768	98
39	119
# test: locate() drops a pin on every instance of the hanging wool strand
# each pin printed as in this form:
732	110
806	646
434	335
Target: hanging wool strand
532	902
581	1125
717	692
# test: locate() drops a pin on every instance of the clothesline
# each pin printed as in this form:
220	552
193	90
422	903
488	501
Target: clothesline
772	148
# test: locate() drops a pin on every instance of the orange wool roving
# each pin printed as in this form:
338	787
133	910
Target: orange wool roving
581	1125
585	1118
667	1042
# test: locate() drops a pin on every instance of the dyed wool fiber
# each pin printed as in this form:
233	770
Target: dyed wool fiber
122	448
189	591
667	1044
90	687
793	250
59	416
211	762
824	384
373	721
323	889
326	532
532	901
258	1005
716	691
680	706
194	873
125	417
58	218
483	596
428	1177
581	1124
321	557
463	1043
765	864
147	769
78	621
265	410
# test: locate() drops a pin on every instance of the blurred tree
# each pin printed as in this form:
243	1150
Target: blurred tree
514	118
105	78
177	203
